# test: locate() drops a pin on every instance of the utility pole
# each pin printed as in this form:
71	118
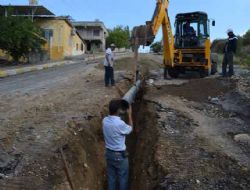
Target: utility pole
34	4
136	56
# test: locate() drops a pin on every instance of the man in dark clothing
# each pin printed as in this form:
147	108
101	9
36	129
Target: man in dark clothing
189	35
189	30
229	51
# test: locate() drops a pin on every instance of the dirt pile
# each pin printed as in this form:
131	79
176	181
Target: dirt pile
195	146
170	156
201	89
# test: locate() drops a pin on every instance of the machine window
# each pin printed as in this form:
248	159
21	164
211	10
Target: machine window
202	29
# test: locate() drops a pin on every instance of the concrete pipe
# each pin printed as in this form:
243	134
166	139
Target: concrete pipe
129	97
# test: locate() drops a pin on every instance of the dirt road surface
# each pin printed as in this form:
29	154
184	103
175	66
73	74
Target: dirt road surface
191	133
38	112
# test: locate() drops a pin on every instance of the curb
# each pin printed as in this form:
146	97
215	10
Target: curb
11	72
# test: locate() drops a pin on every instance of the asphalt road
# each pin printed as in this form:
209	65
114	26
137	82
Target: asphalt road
42	79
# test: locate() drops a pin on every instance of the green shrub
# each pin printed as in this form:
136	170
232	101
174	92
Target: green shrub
246	38
156	47
119	36
218	45
19	36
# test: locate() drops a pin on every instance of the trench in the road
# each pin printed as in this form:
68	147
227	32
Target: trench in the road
85	152
160	131
190	154
76	158
164	153
145	173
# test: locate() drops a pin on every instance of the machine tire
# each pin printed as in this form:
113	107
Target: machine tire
205	73
165	73
214	61
173	72
214	68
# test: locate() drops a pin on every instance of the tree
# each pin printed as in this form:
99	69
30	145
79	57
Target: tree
239	45
19	36
119	36
246	38
218	45
156	47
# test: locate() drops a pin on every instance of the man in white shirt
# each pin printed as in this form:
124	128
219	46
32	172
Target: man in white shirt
108	65
115	131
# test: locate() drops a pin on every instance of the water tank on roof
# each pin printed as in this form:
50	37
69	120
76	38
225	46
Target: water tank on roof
33	2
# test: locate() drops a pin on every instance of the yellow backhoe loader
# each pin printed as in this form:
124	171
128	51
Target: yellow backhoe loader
188	49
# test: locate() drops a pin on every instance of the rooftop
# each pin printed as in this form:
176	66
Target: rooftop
26	10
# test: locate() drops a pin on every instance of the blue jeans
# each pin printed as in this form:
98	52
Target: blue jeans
109	76
117	168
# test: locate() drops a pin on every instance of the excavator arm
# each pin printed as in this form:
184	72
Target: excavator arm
159	15
145	34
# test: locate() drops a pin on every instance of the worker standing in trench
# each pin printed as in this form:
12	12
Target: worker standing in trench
115	131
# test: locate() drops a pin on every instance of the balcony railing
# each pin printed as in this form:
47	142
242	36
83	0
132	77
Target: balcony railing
91	35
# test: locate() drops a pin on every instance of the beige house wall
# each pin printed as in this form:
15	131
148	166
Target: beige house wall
64	42
64	39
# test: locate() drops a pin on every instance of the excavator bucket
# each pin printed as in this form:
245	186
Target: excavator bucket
142	35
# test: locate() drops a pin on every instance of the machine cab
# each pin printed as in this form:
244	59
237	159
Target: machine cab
191	30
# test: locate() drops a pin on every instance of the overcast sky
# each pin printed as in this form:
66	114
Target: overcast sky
233	14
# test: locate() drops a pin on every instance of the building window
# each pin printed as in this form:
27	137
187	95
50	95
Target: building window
81	46
47	34
96	32
77	47
89	33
